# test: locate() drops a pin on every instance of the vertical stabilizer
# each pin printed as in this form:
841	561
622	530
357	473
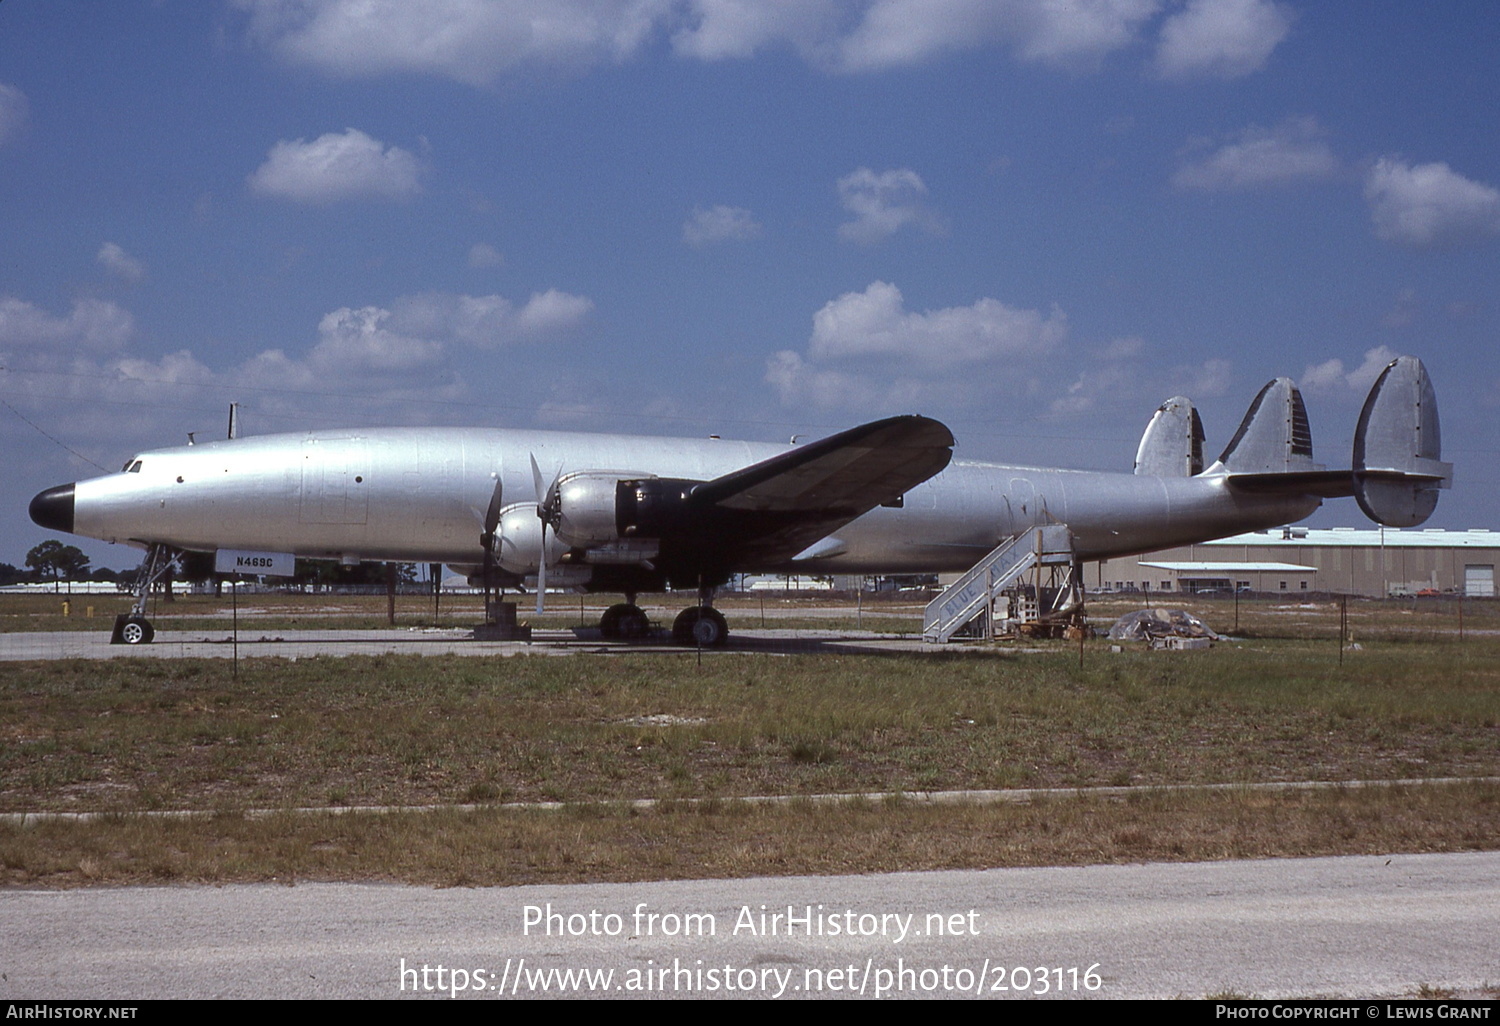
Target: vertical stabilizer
1274	437
1173	443
1398	468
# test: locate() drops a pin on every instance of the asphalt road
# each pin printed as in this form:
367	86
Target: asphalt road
1360	927
304	644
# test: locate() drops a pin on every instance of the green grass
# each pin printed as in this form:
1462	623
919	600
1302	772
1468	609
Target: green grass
104	735
123	736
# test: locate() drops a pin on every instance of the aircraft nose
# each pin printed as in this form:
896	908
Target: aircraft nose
53	509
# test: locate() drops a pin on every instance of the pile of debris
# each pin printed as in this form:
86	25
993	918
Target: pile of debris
1163	628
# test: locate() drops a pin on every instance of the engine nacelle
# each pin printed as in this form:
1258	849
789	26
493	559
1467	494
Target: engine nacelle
518	540
657	508
599	517
586	506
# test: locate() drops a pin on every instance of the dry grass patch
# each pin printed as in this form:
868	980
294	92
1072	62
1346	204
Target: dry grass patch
735	839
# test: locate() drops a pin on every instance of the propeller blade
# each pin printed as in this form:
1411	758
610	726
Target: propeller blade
541	573
545	512
492	515
536	479
491	521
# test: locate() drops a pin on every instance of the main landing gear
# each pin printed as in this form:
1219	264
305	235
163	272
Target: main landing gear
701	626
625	621
133	628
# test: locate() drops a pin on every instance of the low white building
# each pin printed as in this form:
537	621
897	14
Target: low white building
1355	561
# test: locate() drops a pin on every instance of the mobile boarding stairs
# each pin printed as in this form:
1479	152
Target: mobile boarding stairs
1028	580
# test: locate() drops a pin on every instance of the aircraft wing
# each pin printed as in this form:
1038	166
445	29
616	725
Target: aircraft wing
781	505
854	470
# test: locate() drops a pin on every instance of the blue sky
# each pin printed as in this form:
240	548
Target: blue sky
1033	220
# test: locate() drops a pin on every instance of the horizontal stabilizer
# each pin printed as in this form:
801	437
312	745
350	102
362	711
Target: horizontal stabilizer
1398	447
1326	484
1173	443
1274	437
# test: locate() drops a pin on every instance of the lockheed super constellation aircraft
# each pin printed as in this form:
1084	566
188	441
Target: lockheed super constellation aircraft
628	514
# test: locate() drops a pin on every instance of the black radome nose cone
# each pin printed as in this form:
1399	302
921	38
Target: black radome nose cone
53	509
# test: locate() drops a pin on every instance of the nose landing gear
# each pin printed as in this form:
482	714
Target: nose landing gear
133	628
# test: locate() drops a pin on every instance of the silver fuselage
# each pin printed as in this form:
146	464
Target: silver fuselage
419	495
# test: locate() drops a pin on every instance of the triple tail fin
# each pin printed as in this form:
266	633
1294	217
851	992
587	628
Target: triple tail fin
1274	437
1397	467
1398	447
1173	443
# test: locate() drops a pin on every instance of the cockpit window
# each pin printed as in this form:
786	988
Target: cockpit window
134	468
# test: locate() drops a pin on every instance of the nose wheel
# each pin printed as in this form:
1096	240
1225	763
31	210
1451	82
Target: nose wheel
132	630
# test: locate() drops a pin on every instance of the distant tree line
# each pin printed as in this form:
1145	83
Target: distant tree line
198	567
52	562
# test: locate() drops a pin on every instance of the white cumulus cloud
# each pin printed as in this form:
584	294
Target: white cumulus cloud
92	326
1319	376
482	254
364	341
478	41
1293	151
1375	361
798	382
1330	374
883	204
1209	378
875	322
402	356
13	108
867	350
722	29
416	343
337	166
1220	38
900	32
1124	373
174	369
472	41
491	321
1095	382
1429	204
552	312
719	224
120	264
486	322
